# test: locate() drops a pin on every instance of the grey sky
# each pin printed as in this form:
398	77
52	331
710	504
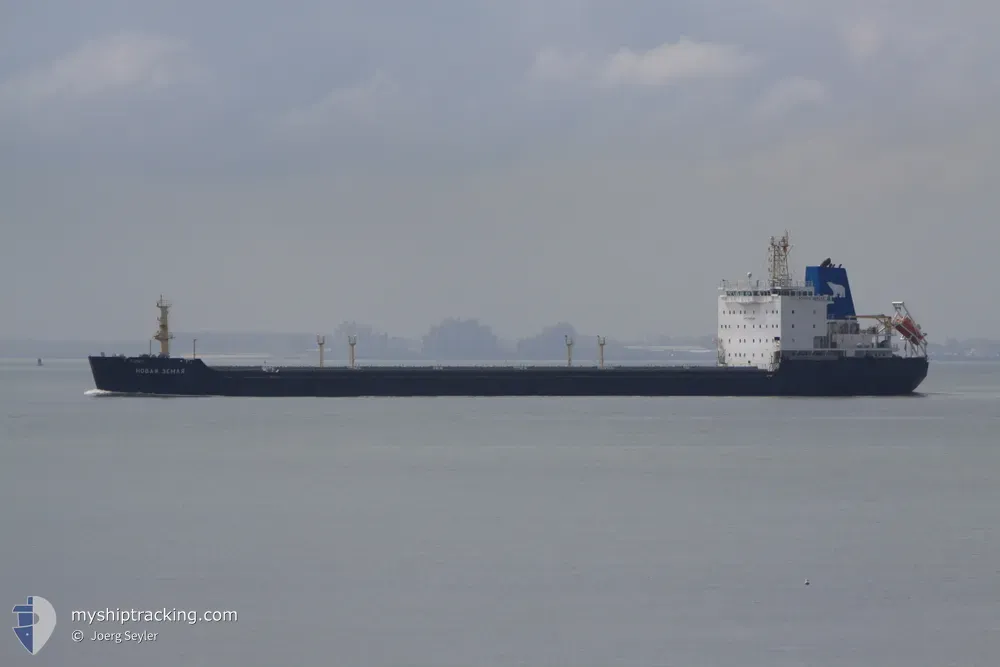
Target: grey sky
287	166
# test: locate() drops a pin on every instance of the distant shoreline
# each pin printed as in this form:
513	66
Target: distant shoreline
219	359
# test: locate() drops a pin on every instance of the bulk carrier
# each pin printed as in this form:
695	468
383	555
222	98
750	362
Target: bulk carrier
778	337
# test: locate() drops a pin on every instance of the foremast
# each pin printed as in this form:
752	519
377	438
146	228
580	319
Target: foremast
163	334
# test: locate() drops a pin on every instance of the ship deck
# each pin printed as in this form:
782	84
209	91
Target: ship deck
486	368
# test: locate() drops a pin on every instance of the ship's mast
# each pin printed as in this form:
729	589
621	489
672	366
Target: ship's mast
778	262
320	342
163	331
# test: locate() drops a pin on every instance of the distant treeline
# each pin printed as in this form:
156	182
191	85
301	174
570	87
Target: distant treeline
451	340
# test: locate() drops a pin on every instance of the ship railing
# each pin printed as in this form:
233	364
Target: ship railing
765	285
741	289
744	285
813	354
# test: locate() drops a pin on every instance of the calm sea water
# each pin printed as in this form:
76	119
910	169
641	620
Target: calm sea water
497	532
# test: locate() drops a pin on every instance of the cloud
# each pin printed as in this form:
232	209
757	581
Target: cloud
682	60
862	39
364	102
664	65
554	65
789	94
900	34
123	62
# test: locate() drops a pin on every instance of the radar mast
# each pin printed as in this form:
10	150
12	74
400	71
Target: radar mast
778	262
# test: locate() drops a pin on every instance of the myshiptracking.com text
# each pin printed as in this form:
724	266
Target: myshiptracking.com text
123	616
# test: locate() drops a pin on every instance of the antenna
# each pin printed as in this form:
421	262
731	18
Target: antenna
320	342
163	331
194	348
352	341
601	340
569	351
778	262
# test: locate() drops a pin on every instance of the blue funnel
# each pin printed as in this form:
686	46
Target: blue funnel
832	280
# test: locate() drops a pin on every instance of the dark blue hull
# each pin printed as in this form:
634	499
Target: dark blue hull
168	376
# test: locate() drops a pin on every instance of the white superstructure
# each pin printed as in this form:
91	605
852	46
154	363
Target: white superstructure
761	322
757	323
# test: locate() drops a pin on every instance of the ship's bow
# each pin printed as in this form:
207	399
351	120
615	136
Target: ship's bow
151	375
111	374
